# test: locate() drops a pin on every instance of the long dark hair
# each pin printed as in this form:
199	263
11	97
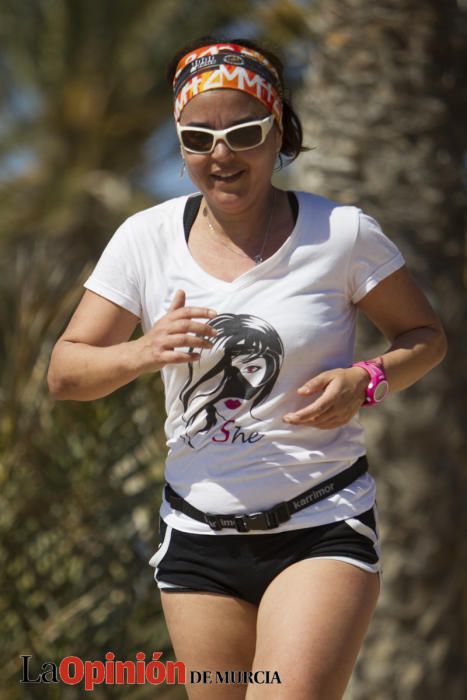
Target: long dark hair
238	335
292	138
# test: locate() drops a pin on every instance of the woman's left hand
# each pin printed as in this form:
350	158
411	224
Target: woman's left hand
342	394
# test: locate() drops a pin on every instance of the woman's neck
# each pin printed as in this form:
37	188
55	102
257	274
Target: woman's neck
248	226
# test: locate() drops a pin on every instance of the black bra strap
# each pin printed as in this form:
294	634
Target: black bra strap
191	212
193	204
293	201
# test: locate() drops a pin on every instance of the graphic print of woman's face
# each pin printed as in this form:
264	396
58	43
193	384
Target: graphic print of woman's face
253	371
242	365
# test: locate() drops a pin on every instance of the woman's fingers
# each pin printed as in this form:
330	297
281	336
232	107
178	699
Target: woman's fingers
186	333
179	329
186	340
189	326
340	399
318	383
175	357
178	300
317	408
178	309
192	312
309	413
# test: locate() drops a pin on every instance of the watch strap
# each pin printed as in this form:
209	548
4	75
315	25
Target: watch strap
378	386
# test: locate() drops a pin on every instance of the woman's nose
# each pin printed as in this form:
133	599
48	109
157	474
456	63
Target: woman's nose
221	149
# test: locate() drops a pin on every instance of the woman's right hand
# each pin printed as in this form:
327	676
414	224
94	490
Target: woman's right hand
161	345
95	356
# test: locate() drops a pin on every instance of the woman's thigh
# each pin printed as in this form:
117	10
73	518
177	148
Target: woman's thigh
311	623
211	632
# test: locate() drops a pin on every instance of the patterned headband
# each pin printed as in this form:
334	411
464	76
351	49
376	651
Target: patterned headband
227	66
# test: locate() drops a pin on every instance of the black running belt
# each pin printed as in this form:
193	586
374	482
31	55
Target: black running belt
278	514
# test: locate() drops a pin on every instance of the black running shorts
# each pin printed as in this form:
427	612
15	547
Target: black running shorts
243	566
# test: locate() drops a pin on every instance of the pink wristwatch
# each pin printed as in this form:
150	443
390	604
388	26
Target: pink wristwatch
378	386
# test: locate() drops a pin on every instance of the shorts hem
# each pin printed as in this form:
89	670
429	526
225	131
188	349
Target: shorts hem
371	568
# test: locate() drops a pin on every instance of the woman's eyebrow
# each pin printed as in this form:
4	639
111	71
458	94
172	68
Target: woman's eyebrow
235	122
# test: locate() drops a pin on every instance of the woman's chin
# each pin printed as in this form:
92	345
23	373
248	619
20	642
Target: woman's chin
227	192
229	199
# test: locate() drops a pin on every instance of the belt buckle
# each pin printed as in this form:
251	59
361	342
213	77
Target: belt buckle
241	524
277	515
263	519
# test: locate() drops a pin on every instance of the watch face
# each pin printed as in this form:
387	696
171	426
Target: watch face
380	391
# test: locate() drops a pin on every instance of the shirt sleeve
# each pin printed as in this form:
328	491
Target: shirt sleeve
116	276
373	258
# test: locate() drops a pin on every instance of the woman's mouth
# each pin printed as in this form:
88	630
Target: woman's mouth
227	177
233	403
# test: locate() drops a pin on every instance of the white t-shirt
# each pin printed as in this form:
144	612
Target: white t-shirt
279	324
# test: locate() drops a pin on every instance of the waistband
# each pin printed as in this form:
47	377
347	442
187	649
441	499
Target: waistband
278	514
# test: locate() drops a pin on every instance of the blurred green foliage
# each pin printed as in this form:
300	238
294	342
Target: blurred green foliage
82	91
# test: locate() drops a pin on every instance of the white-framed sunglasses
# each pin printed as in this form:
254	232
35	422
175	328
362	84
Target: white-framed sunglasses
197	139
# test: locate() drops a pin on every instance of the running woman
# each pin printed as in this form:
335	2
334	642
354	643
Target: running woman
247	294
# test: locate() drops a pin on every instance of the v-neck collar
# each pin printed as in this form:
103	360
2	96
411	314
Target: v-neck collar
246	278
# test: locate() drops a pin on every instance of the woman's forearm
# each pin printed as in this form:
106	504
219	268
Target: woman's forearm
80	372
83	371
412	355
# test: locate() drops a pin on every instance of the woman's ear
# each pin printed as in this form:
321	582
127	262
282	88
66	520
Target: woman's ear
279	137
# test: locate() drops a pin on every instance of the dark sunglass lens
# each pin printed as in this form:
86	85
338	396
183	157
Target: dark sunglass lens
196	140
245	137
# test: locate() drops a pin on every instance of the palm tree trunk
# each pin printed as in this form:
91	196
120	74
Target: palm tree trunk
384	104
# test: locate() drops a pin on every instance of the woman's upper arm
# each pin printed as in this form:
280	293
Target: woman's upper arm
397	305
99	322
